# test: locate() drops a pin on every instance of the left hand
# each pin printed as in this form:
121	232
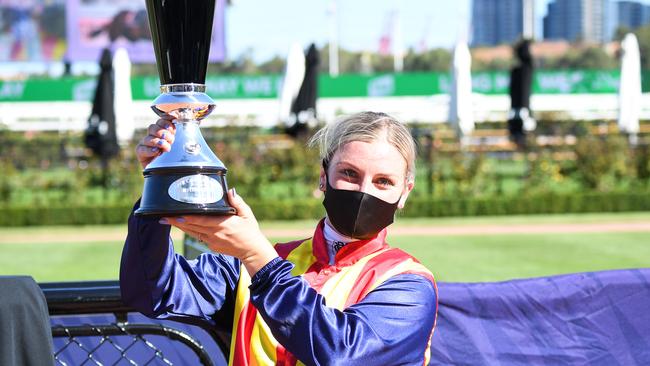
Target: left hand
237	235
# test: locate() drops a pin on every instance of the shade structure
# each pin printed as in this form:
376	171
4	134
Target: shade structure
629	92
100	134
461	114
303	108
123	99
521	77
294	74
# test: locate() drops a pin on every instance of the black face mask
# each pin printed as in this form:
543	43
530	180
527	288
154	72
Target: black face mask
357	214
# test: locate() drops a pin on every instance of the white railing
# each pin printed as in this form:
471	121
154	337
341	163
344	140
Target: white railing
66	116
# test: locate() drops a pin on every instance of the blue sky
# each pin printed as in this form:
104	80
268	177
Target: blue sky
267	28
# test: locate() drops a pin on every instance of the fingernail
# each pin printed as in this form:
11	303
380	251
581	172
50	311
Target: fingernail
160	142
180	219
154	149
163	135
234	192
164	221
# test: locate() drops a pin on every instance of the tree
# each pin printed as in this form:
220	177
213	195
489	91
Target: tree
273	66
643	36
590	57
438	59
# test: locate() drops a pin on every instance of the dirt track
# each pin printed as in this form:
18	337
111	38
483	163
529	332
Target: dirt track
118	234
495	229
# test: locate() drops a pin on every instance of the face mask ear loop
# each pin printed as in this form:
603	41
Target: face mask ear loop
327	182
327	178
406	182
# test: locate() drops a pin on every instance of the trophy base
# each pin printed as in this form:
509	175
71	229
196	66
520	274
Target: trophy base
177	191
168	212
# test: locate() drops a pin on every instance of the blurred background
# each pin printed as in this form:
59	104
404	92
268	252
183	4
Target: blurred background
532	120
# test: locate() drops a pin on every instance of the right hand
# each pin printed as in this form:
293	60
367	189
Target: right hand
234	235
159	140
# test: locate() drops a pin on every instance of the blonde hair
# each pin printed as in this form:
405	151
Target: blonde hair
366	127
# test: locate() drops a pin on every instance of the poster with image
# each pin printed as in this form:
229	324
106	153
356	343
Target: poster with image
32	30
93	25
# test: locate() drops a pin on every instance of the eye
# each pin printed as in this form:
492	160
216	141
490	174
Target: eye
385	182
348	173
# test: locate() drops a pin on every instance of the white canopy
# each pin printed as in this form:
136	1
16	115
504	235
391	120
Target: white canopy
293	77
461	114
629	92
123	100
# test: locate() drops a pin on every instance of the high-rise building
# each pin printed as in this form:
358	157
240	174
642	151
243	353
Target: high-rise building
501	21
574	20
632	14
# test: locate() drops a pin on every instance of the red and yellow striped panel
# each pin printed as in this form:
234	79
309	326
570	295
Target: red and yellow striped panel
252	341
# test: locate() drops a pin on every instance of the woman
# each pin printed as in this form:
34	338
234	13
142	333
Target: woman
343	297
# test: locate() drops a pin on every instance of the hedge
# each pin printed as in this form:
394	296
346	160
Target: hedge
311	209
532	204
70	215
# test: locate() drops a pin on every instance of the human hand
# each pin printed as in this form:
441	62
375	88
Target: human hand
237	235
159	139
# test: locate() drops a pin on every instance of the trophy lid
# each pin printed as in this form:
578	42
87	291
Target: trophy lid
181	31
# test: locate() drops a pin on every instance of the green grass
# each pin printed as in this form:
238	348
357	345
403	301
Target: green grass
489	220
503	257
62	262
451	258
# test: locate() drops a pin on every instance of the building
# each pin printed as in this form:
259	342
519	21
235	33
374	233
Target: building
579	20
632	14
501	21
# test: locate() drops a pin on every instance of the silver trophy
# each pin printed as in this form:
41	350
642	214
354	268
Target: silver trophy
189	179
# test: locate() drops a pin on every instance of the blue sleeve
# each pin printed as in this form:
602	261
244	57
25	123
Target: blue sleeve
391	325
162	284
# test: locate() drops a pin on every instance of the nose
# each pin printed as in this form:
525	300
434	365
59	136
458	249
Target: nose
366	187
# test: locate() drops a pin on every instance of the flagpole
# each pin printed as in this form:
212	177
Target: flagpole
333	42
529	19
398	52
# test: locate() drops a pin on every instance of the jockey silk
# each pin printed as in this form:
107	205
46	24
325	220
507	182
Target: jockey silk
342	285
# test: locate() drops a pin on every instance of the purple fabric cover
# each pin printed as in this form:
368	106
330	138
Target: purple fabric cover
597	318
